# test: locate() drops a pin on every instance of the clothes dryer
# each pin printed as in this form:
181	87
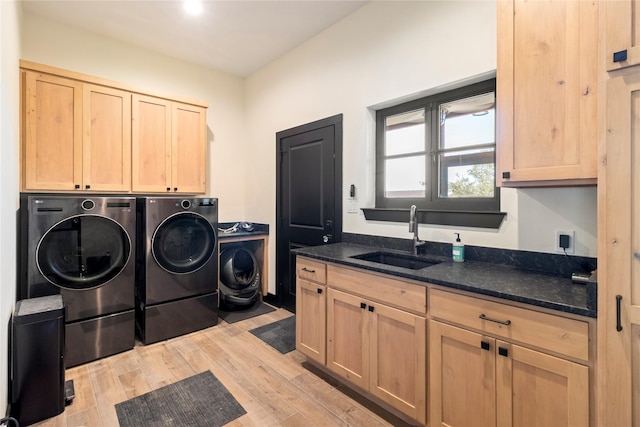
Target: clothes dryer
83	248
177	266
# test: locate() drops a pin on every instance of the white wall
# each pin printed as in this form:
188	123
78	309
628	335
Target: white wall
387	51
9	143
383	52
51	43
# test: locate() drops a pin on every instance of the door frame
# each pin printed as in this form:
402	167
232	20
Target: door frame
336	122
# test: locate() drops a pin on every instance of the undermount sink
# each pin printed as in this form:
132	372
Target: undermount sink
397	260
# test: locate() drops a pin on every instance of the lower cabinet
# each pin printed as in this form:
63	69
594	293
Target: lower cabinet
380	349
480	381
311	308
488	363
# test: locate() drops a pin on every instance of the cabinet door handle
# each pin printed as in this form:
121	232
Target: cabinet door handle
168	188
506	175
77	186
618	313
371	308
319	290
502	322
308	270
502	351
485	345
363	305
620	56
175	188
87	186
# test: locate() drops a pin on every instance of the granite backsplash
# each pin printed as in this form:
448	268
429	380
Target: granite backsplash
559	264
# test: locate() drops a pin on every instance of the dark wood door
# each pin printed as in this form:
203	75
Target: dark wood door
309	196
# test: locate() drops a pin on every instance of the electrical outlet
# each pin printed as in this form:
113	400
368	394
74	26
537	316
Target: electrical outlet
572	241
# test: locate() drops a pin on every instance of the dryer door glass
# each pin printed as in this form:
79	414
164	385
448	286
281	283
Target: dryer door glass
183	243
83	252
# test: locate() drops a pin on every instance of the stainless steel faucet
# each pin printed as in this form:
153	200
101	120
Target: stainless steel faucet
413	228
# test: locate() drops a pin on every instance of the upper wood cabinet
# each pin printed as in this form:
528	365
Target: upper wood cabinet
622	38
52	132
106	139
169	151
188	148
77	134
151	144
547	78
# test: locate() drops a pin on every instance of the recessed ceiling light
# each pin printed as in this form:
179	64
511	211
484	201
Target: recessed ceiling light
192	7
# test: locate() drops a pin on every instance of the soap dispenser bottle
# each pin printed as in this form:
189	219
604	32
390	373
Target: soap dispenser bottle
457	251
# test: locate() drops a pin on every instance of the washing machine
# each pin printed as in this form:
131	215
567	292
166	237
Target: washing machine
239	285
82	247
176	266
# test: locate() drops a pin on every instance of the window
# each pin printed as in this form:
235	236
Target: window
439	152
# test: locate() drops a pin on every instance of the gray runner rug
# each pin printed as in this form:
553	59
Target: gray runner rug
280	335
198	401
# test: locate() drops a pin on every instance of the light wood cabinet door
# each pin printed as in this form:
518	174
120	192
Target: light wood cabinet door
311	318
151	144
538	390
398	363
622	38
52	132
547	75
480	381
462	377
169	146
348	337
106	147
619	275
189	150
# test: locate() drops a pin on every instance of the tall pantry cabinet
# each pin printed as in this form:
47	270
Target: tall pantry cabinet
619	222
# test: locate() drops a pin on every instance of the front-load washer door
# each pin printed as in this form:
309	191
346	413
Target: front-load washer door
183	243
83	252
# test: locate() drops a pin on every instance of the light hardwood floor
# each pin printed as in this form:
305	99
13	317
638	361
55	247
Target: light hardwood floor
274	389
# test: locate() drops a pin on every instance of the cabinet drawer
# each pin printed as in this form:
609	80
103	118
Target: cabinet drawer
311	270
554	333
386	290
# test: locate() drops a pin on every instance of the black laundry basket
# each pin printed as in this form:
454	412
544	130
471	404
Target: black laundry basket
37	359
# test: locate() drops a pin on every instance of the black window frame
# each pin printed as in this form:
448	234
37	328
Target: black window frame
432	201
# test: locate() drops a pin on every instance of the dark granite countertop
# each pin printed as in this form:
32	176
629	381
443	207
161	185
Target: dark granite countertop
259	229
515	284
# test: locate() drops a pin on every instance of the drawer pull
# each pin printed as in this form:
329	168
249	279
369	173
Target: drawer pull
308	270
502	322
503	352
485	345
363	305
319	290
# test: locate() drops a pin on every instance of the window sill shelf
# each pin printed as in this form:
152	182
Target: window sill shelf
486	219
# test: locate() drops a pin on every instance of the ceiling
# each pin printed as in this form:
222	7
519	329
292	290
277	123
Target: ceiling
235	36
